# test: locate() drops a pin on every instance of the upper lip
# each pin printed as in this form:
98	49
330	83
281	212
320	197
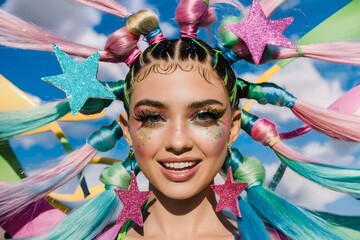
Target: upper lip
178	159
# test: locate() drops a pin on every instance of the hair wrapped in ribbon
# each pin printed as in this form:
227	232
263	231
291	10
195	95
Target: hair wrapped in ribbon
326	121
335	178
100	211
15	197
120	46
260	203
17	122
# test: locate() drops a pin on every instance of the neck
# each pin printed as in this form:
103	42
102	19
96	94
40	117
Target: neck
188	218
205	200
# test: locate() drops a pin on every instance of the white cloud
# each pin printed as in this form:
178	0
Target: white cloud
34	98
168	29
112	72
114	110
45	140
333	152
138	5
61	17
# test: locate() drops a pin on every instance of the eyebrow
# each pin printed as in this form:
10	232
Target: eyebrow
151	103
201	104
193	105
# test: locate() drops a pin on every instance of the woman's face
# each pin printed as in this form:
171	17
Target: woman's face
180	125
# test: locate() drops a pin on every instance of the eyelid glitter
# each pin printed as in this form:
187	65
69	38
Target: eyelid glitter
215	114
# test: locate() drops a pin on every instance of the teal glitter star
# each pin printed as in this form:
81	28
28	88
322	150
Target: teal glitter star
78	80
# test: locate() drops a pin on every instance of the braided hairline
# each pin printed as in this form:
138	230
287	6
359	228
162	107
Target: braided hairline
147	63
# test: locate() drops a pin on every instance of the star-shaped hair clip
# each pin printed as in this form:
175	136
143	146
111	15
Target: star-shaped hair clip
258	30
229	193
78	80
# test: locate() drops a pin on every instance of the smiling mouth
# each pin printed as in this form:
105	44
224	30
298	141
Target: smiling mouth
179	166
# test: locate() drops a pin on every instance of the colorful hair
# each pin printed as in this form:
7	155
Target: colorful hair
348	104
120	46
279	213
17	122
99	212
326	121
14	123
15	197
193	14
335	178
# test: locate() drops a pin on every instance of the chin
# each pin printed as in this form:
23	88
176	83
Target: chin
180	191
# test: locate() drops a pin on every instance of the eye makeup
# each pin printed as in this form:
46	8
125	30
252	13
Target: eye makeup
207	117
149	117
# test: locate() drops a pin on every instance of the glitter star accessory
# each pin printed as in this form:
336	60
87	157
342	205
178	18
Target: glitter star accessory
132	200
258	31
78	80
229	193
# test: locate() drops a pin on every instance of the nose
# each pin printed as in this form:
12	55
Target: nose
179	139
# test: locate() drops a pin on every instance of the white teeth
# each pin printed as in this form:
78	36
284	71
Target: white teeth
183	170
179	165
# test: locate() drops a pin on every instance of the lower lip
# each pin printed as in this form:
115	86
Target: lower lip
178	176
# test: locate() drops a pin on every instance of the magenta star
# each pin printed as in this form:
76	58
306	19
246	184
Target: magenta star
258	31
132	201
229	193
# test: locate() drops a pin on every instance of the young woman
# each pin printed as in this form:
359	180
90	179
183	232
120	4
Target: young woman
180	137
182	115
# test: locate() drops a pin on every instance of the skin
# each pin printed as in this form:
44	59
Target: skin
191	123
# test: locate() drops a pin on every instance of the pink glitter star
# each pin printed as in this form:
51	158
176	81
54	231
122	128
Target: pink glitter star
258	31
132	201
229	193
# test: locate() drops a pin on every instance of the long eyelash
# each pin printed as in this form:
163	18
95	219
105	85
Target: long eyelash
144	115
215	113
214	116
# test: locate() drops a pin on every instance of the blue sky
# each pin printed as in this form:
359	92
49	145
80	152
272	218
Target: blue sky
313	81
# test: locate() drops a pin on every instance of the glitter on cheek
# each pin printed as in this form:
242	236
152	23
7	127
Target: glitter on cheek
142	137
212	134
215	133
139	135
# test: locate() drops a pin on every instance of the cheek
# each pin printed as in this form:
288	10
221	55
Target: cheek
213	138
145	140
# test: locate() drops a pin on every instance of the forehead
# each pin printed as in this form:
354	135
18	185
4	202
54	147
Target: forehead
179	86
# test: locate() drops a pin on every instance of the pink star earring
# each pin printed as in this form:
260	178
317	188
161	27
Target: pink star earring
258	31
229	193
132	199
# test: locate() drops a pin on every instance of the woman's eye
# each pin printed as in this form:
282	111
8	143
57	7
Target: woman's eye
203	116
149	119
207	118
154	118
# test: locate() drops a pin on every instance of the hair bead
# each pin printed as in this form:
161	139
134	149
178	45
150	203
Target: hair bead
155	36
227	53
